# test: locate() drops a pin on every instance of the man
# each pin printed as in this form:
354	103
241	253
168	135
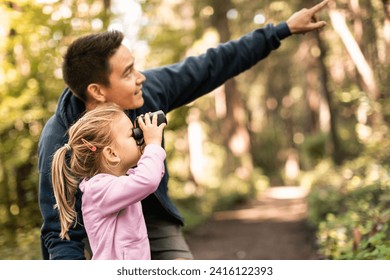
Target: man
99	68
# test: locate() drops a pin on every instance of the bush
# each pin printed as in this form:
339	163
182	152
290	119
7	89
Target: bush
350	207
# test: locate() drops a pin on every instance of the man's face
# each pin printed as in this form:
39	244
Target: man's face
125	88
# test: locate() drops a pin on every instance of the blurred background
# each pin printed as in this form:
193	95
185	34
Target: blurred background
315	113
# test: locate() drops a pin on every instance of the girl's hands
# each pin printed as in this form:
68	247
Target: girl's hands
152	133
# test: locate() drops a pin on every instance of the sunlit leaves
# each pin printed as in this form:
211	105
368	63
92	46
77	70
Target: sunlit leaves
33	38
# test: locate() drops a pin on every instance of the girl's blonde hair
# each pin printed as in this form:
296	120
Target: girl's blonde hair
80	158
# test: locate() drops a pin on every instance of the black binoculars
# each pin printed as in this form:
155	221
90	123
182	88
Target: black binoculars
137	131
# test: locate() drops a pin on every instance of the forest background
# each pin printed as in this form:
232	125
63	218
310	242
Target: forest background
315	113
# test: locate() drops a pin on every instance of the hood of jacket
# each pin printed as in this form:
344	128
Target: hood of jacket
69	108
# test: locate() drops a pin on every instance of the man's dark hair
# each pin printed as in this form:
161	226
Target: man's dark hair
87	61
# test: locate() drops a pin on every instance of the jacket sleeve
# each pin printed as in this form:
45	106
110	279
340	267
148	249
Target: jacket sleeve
178	84
112	195
53	246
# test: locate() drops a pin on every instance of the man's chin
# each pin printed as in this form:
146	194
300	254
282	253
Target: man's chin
135	105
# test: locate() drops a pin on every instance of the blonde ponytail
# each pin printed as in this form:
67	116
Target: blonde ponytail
64	186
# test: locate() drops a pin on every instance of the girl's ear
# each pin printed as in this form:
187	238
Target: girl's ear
111	156
96	93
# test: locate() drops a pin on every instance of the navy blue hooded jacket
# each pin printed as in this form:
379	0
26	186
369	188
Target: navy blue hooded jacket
165	88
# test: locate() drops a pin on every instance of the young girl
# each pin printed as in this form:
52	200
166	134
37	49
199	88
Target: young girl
102	152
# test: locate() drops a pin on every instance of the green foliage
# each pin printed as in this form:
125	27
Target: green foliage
350	206
314	148
33	37
266	151
27	242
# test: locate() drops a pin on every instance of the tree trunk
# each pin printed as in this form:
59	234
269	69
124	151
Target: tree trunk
234	127
386	28
337	153
21	173
361	64
6	197
195	143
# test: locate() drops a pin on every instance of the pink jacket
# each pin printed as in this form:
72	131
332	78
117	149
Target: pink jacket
112	210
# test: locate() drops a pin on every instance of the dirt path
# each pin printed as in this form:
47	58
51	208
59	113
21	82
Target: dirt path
272	227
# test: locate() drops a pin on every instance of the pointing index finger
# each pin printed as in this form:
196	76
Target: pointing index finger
319	6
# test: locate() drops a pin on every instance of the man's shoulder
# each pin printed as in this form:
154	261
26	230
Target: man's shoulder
52	136
52	128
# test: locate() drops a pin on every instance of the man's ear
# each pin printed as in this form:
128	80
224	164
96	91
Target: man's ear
96	93
111	156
